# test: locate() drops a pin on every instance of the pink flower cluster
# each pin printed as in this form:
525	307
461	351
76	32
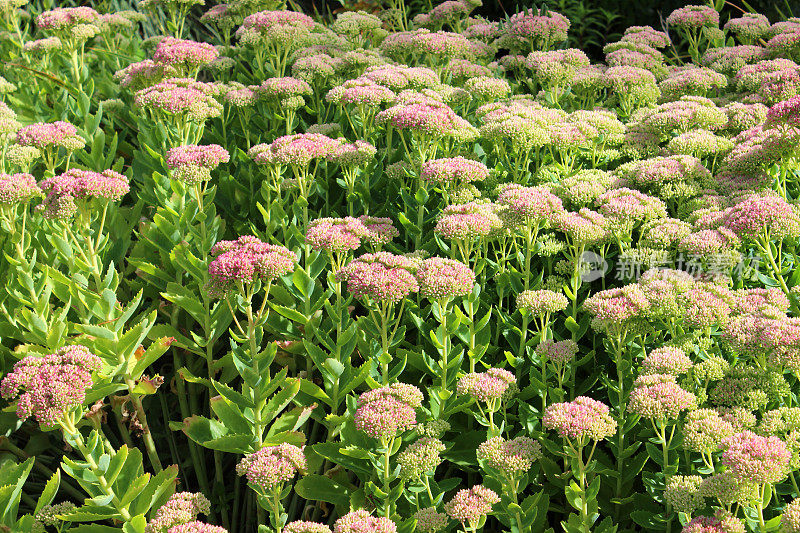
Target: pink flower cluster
657	396
494	384
511	457
440	278
189	55
694	17
196	527
302	526
582	419
296	150
541	29
756	458
180	96
757	215
50	135
535	204
62	18
721	522
61	191
453	170
180	508
143	74
381	276
468	506
361	521
271	466
431	118
50	386
339	235
277	28
385	412
540	302
246	260
18	188
193	163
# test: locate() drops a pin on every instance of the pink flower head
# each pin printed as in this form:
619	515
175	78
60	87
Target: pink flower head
431	118
143	74
582	419
657	396
694	17
361	92
62	18
470	505
50	386
757	215
245	260
196	527
557	352
511	457
721	522
542	29
534	204
617	304
380	230
296	150
361	521
429	520
50	135
453	170
440	278
18	188
667	360
180	96
336	234
193	163
61	191
180	508
494	384
187	54
273	465
352	154
755	458
385	412
276	27
630	205
540	302
302	526
286	87
381	276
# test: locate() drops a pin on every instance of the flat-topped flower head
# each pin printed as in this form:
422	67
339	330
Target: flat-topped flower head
50	135
429	520
303	526
336	235
65	18
196	527
48	387
790	520
296	150
557	352
385	412
704	430
246	260
380	230
180	508
361	521
511	457
757	215
63	190
494	384
361	91
535	29
721	522
352	154
283	87
18	188
193	163
271	466
468	506
667	360
381	276
429	117
582	419
189	55
143	74
453	170
440	278
468	221
756	458
180	96
275	28
657	396
540	302
683	493
618	304
534	204
694	17
420	457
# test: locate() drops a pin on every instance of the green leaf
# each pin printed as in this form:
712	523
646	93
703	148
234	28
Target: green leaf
324	489
49	492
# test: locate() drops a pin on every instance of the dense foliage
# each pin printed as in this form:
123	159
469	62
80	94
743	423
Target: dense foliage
396	273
